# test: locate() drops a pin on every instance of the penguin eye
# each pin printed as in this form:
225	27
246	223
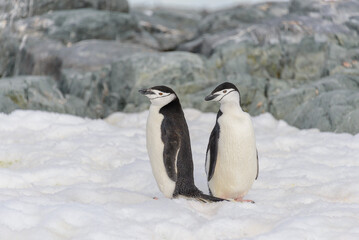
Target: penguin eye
160	94
224	91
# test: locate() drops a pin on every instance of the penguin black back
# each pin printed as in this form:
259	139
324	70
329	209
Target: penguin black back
169	145
174	120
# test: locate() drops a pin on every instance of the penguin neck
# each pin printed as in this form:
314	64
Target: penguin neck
231	107
154	108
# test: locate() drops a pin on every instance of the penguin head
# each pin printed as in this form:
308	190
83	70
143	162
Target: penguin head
225	92
159	95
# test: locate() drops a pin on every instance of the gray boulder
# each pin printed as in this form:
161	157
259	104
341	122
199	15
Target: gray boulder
9	47
335	111
92	88
86	72
93	55
305	6
335	11
305	107
165	29
75	25
38	56
28	8
30	92
185	72
38	93
287	30
353	23
290	48
240	16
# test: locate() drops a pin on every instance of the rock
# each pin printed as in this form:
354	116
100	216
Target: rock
90	55
168	28
32	92
286	30
353	23
350	67
305	6
336	11
86	73
297	104
38	56
75	25
297	60
240	16
43	56
91	87
289	48
335	111
28	8
310	60
185	72
9	47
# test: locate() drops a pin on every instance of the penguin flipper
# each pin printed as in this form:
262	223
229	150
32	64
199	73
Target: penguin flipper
212	149
171	149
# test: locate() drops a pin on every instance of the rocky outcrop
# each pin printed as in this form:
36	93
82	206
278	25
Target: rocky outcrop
75	25
39	56
28	8
297	60
327	104
9	46
94	54
32	92
185	72
166	29
241	16
89	90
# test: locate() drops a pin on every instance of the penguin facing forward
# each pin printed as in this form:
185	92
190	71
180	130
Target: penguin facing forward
231	157
169	147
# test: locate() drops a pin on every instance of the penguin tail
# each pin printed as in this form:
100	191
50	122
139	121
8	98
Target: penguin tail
190	191
201	197
208	199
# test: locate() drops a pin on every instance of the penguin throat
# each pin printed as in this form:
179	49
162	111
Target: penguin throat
230	107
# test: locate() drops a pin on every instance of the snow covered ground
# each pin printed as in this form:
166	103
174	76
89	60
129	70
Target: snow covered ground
64	177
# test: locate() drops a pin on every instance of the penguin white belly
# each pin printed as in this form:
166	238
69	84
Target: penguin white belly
155	147
236	165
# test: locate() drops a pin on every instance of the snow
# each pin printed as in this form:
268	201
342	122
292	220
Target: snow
65	177
196	5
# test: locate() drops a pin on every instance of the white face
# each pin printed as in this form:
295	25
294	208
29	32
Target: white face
159	98
225	95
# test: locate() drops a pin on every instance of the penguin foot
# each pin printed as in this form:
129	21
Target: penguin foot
240	199
155	198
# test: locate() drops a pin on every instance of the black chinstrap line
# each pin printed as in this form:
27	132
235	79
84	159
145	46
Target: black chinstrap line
226	94
161	96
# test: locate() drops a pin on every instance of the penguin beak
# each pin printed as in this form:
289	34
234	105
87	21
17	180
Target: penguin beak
211	97
145	91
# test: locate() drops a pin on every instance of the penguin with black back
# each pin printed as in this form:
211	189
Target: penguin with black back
169	147
231	157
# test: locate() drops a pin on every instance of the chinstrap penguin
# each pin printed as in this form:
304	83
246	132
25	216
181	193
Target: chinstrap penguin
231	157
169	146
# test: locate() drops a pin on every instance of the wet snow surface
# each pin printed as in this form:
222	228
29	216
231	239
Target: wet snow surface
64	177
